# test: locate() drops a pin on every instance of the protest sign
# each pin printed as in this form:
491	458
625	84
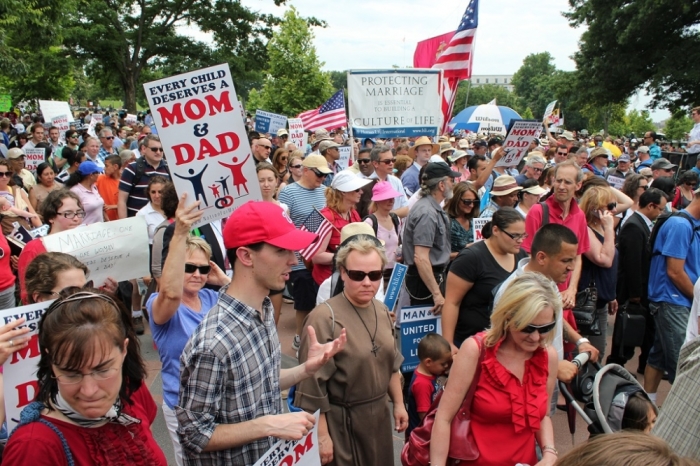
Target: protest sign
345	154
20	385
267	122
297	134
116	249
94	119
395	103
391	294
302	452
61	122
205	141
5	102
478	224
615	181
131	119
416	322
521	134
54	108
548	111
33	157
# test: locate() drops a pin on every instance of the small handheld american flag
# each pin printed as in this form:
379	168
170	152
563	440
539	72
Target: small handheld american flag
315	223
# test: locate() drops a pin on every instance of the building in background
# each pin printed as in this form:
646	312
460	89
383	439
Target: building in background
503	80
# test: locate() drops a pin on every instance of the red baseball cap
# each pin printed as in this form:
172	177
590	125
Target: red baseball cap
264	222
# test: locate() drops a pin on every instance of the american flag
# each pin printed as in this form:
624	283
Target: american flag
456	59
328	116
315	223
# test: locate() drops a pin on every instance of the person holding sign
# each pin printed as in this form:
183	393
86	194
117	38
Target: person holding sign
16	198
92	406
352	387
230	405
180	305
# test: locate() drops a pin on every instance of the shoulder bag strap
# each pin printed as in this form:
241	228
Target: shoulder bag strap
465	410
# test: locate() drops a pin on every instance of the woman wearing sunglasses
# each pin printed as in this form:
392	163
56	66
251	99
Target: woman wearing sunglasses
633	187
92	405
599	263
294	170
180	304
687	183
351	389
516	376
462	208
279	161
476	271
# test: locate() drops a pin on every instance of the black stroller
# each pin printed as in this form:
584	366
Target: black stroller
603	392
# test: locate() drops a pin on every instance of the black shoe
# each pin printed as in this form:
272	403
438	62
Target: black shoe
665	376
138	325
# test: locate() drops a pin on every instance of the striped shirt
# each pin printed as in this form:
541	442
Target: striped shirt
229	373
137	188
301	203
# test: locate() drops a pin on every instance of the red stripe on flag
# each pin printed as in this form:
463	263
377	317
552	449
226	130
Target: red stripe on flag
311	250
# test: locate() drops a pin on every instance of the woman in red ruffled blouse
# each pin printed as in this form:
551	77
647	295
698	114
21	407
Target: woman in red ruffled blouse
92	407
509	411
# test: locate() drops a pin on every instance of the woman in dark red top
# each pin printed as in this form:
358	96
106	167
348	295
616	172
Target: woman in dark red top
92	406
509	411
341	198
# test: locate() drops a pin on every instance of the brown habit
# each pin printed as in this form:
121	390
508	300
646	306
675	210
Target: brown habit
352	388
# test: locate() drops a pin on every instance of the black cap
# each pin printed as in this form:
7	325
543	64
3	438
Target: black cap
480	143
439	170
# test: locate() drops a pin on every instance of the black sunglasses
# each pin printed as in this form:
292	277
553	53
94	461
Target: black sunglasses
644	187
469	201
612	206
363	160
318	173
541	329
156	149
388	161
108	137
563	153
203	269
5	174
516	237
359	275
295	166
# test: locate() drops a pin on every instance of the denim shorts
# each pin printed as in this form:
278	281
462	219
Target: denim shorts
671	322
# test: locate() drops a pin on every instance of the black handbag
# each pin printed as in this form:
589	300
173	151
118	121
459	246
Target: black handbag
633	325
585	311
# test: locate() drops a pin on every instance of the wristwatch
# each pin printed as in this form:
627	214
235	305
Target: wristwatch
582	340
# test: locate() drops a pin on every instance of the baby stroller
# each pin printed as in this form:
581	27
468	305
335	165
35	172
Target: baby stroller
603	392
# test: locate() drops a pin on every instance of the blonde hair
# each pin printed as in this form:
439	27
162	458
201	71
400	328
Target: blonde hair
522	300
363	245
195	243
335	200
595	198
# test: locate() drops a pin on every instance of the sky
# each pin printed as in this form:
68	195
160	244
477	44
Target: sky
378	34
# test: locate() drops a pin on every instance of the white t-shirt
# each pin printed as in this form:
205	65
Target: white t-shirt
691	332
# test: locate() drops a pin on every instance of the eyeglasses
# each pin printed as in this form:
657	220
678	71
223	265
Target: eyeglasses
156	149
562	153
295	166
283	158
611	206
72	136
318	173
363	160
108	137
541	329
388	161
537	169
643	186
265	147
192	268
5	174
516	236
73	379
359	275
70	214
691	185
469	201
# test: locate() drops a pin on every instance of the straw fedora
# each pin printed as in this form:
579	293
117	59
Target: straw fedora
423	141
504	184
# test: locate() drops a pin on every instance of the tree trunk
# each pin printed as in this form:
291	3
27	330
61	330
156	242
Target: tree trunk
130	93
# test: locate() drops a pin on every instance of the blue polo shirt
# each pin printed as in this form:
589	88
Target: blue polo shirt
674	240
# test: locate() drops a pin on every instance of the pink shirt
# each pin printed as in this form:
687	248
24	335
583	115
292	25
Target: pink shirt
92	203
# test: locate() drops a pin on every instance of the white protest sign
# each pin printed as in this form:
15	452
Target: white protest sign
557	121
94	119
54	108
302	452
296	133
62	123
478	224
204	139
20	385
615	181
131	119
521	134
116	249
268	122
548	111
395	103
33	157
345	154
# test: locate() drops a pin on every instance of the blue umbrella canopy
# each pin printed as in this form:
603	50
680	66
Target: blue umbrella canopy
487	118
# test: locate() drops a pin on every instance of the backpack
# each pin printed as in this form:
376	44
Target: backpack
140	169
375	225
659	223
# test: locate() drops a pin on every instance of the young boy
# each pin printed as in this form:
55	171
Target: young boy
435	355
108	185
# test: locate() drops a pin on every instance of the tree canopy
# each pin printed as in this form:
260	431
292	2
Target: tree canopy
482	94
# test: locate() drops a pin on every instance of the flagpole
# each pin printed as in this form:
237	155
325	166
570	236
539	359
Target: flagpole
352	139
469	88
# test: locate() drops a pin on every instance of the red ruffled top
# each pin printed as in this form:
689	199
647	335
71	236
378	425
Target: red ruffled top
506	413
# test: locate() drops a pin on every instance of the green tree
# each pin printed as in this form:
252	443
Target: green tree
294	80
527	114
128	42
640	122
534	82
339	80
603	118
678	125
482	94
639	44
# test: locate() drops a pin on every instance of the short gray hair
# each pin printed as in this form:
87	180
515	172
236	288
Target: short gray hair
428	186
377	150
104	132
533	159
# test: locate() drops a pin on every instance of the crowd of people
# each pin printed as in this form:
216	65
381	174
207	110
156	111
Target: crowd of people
574	220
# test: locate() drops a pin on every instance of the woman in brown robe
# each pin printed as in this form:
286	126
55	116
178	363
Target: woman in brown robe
351	389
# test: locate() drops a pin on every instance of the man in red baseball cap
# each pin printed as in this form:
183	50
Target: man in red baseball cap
230	408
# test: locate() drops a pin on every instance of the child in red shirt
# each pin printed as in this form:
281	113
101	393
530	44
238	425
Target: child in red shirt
435	355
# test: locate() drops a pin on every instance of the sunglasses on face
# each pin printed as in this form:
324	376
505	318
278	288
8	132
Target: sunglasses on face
359	275
469	202
363	160
265	147
295	166
108	137
691	185
156	149
203	269
5	174
644	187
283	158
563	153
516	236
388	161
541	329
318	173
537	169
611	206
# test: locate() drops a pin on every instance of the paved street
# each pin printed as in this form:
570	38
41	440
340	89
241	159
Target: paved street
563	438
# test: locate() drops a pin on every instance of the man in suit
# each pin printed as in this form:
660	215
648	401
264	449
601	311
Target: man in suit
633	275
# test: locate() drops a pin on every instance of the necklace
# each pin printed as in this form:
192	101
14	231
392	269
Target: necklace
375	347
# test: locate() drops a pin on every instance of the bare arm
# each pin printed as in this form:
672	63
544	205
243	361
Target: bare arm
483	178
425	270
552	142
568	297
324	257
35	220
396	395
121	204
602	254
676	272
32	199
545	436
401	212
290	426
624	202
455	290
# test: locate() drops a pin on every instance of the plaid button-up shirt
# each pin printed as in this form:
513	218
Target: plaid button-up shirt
230	371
